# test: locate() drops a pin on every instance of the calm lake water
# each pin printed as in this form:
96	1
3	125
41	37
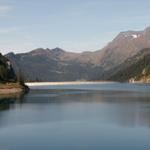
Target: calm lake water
77	117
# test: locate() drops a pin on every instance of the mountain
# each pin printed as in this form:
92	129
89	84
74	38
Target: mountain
6	71
136	68
60	65
125	45
51	65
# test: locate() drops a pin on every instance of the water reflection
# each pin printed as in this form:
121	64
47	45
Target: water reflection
7	100
123	108
61	119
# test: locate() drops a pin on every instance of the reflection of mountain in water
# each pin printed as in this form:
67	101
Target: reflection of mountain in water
128	109
7	100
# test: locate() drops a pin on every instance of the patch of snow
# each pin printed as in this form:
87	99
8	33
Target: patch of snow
135	36
126	35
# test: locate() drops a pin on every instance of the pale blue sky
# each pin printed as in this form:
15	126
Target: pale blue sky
74	25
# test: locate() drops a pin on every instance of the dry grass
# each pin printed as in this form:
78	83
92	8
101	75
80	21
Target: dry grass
10	86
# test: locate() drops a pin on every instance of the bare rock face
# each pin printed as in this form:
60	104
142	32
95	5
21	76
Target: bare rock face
60	65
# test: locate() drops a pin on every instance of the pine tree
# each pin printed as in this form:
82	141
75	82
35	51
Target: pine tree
20	78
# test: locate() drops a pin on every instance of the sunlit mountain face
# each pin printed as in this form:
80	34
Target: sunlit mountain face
60	65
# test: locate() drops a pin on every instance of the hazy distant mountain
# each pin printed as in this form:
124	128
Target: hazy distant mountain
59	65
136	68
52	65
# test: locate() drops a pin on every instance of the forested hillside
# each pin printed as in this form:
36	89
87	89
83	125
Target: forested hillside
6	71
137	68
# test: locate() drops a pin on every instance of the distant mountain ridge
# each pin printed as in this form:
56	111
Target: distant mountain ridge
60	65
53	65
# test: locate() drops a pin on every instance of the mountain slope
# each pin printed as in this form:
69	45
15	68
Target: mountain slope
59	65
51	65
124	46
137	68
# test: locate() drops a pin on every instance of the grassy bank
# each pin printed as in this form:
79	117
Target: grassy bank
12	88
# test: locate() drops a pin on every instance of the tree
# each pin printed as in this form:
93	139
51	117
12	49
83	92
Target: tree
20	78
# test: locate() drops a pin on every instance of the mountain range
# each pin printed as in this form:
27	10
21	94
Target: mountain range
136	68
60	65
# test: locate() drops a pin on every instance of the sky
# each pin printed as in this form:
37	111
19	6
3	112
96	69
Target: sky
73	25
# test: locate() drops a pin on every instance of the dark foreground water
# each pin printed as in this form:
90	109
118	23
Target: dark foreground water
77	117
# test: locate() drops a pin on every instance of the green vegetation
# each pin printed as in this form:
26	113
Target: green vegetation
20	79
6	71
10	83
136	68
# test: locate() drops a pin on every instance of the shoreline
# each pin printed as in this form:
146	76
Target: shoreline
13	88
32	84
67	83
11	91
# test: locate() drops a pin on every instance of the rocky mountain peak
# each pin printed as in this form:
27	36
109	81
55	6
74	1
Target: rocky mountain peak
147	29
11	54
42	51
147	33
57	64
57	50
128	35
39	51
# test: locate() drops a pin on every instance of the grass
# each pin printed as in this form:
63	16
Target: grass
10	85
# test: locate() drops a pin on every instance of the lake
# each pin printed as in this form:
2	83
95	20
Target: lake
95	116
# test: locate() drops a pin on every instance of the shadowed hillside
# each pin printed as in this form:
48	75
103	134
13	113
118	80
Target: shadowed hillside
137	68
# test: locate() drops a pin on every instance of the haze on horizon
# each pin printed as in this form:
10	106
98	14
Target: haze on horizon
71	25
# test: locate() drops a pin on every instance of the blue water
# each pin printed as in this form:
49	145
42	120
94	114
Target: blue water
100	86
77	117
